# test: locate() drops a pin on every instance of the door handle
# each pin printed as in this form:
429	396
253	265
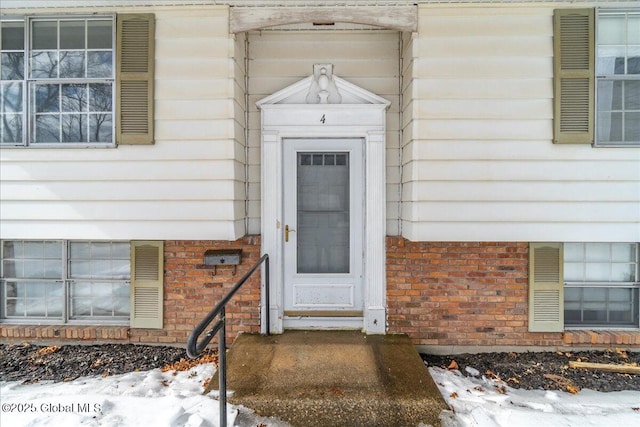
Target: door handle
287	230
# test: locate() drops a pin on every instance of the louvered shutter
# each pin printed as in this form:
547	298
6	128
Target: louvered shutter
573	72
147	277
546	287
134	79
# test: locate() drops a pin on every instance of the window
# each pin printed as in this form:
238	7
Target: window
64	81
12	82
583	285
597	55
66	68
65	281
601	284
618	77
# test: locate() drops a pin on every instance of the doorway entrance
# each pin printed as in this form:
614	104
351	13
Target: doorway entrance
323	232
323	205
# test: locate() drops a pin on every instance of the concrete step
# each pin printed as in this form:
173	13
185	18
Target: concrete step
333	378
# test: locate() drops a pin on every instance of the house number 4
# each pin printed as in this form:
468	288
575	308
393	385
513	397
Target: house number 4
323	119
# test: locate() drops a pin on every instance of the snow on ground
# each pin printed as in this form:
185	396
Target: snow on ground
164	399
151	398
489	403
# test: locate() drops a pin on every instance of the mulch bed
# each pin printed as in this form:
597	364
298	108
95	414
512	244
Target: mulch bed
29	363
546	370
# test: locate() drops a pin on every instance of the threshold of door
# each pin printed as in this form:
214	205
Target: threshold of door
325	313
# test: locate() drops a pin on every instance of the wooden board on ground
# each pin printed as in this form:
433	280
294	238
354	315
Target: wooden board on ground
608	367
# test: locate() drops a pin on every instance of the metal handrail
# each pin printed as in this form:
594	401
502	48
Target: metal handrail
195	347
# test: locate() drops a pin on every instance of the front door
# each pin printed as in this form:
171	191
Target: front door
323	232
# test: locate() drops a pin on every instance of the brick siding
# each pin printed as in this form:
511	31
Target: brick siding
471	294
599	338
191	290
439	293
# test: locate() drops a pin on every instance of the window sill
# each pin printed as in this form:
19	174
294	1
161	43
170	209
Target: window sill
628	145
76	323
601	328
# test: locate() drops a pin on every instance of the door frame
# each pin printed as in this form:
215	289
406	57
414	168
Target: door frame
324	316
286	115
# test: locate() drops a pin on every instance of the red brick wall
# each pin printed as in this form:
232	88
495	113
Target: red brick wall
472	294
439	293
190	291
461	293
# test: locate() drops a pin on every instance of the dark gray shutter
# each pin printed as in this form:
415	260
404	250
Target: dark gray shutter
574	74
134	78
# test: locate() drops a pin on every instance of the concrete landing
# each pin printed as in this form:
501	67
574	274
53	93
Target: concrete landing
333	378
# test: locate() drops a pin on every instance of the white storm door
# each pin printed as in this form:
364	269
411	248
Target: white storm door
323	227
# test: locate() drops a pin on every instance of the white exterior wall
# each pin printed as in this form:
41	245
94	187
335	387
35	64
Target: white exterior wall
478	159
189	185
369	59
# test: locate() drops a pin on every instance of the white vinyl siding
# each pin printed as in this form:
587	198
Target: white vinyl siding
367	58
408	87
189	185
240	126
478	159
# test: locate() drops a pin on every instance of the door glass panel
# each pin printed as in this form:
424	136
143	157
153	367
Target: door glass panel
323	212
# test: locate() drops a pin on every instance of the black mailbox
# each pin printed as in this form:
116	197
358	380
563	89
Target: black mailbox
217	257
220	257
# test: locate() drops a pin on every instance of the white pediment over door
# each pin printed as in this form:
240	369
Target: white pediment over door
323	87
